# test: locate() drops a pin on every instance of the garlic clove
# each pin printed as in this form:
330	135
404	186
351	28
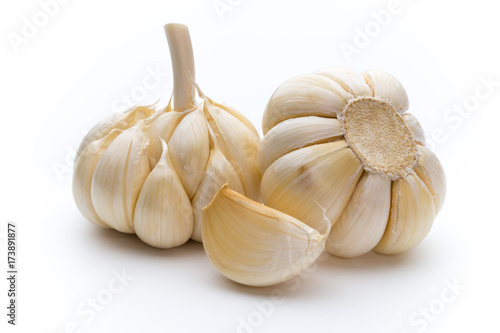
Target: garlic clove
239	144
161	129
324	175
235	113
256	245
388	88
351	81
363	221
189	150
219	172
431	172
305	95
295	133
415	127
121	121
163	215
410	218
82	176
119	176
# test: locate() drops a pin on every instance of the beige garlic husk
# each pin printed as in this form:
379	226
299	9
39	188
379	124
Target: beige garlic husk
344	140
151	170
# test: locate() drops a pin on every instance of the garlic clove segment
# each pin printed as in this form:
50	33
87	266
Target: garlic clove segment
388	88
235	113
239	144
431	172
363	220
219	172
189	150
163	216
296	133
121	121
320	96
256	245
161	129
119	176
351	81
82	176
415	127
324	175
411	216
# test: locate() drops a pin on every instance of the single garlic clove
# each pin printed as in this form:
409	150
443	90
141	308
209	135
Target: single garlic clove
326	174
410	218
305	95
350	80
235	113
82	176
415	127
256	245
121	121
388	88
189	150
363	221
431	172
161	129
119	176
295	133
163	215
239	144
219	172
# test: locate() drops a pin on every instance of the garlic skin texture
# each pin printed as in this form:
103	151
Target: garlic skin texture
151	170
256	245
343	140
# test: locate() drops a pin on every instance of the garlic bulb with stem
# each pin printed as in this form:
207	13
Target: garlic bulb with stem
343	139
151	170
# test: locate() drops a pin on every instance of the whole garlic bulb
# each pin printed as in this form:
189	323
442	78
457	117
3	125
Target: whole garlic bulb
150	171
343	140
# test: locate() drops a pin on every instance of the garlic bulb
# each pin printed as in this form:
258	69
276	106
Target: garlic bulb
256	245
343	140
150	171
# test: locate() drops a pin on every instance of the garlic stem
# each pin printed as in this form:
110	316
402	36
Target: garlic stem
181	54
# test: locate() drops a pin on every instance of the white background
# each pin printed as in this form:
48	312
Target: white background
76	68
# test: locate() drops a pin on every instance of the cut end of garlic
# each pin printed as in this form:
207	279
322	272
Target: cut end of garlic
379	137
256	245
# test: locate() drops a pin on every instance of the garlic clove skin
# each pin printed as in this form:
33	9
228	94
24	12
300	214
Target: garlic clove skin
121	121
238	144
163	216
388	88
119	176
319	96
415	127
324	175
255	245
296	133
82	176
364	219
351	81
189	150
219	172
410	218
431	172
